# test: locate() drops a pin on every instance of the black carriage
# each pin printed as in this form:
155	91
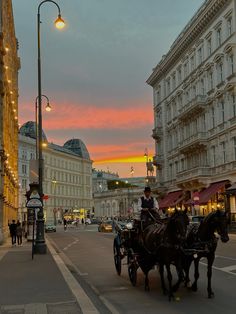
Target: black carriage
125	247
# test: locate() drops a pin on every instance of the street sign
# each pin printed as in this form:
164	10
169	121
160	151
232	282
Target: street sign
34	203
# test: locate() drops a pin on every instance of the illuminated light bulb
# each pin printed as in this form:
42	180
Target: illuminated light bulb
59	23
6	67
13	102
7	49
14	110
9	81
11	92
16	118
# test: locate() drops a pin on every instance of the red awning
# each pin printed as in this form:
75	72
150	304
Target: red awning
206	194
170	199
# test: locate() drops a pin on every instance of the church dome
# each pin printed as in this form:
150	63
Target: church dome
78	147
29	129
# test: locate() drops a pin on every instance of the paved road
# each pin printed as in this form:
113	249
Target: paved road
88	254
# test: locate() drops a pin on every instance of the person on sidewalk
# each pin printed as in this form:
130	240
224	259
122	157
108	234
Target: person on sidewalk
12	228
65	224
19	233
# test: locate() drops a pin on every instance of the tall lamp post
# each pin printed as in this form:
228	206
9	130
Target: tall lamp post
40	246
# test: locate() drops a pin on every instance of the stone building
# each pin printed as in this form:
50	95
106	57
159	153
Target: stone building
9	67
194	90
67	183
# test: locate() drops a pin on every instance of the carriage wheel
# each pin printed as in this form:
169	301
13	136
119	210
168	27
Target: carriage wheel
132	270
117	257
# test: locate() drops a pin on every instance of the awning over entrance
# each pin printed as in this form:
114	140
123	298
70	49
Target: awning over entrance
206	194
170	199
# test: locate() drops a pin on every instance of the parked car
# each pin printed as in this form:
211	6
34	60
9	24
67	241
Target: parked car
105	226
95	221
196	219
50	227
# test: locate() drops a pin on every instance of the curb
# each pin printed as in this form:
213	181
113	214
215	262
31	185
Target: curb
83	300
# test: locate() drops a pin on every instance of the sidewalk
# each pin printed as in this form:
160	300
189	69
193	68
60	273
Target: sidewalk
35	286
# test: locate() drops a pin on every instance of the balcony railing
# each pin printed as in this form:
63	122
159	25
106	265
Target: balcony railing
197	140
192	107
193	173
157	132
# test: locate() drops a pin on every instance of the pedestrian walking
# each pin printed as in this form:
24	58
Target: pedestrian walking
19	233
65	224
12	228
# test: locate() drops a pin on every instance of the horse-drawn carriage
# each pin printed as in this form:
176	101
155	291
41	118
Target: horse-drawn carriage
166	242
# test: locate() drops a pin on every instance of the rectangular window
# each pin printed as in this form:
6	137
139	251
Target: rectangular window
222	111
213	117
192	63
202	87
213	155
229	26
209	47
174	81
218	35
200	55
179	75
220	73
182	164
231	64
223	152
24	171
210	80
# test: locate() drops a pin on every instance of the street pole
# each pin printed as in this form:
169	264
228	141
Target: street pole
48	108
40	245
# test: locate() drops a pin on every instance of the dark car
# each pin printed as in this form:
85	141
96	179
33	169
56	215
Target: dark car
95	221
196	219
50	227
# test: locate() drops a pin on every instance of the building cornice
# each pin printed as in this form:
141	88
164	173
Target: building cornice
190	33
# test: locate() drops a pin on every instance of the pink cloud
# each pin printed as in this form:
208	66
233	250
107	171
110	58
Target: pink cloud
80	116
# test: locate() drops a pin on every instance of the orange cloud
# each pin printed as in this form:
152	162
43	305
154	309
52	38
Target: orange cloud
81	116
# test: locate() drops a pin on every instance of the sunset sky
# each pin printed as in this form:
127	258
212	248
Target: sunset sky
94	72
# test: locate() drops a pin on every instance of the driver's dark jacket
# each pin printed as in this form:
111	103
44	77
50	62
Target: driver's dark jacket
146	203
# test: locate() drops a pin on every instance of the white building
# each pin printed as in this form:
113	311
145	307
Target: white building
120	202
195	109
100	179
67	183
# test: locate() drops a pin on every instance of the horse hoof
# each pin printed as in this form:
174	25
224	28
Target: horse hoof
211	295
189	284
194	288
165	292
175	288
147	288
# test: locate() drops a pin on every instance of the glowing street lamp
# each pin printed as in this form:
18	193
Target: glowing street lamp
40	246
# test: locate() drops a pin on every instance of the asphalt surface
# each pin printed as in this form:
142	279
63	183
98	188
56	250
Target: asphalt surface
89	256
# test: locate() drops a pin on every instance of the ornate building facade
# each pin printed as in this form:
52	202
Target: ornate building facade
194	90
9	67
67	183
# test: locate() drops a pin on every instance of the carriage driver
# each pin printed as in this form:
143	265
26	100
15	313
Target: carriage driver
148	206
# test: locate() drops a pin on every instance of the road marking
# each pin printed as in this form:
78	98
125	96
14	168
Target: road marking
228	268
225	257
224	269
80	295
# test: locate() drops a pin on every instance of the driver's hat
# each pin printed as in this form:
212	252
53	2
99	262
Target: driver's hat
147	189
